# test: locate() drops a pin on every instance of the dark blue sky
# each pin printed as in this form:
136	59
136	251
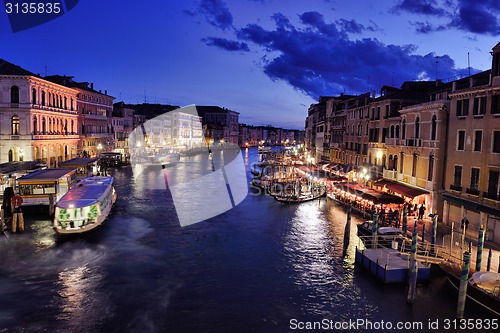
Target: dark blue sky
267	59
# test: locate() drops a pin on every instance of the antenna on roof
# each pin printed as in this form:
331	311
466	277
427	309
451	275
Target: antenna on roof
45	70
468	62
437	61
145	101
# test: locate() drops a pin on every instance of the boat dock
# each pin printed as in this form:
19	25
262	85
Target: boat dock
389	265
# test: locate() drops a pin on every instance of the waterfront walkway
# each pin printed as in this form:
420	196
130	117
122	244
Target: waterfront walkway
443	237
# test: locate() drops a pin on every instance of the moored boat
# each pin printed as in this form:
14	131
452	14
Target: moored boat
385	235
483	288
86	206
314	193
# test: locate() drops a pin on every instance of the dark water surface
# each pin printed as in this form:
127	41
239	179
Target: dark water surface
254	268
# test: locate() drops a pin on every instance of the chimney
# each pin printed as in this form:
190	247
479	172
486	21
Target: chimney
92	85
105	92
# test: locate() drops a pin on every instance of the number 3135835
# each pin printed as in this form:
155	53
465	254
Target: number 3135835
33	8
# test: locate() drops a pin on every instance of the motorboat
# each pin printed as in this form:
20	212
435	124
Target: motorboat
483	288
86	206
385	235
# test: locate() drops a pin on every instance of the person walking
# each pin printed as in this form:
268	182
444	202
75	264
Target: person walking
421	212
17	213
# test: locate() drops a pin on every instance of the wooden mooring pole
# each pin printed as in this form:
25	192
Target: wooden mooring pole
462	291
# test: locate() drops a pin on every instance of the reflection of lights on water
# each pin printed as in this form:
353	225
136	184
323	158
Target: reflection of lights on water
73	289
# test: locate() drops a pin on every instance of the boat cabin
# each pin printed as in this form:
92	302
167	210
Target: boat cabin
37	187
85	167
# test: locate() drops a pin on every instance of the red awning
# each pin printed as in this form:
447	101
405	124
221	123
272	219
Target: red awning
405	190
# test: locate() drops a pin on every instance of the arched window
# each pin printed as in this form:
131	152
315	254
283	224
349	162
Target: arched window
383	161
430	169
72	128
397	131
402	162
15	125
433	128
44	126
403	135
392	131
395	163
66	127
33	96
43	98
65	103
391	163
11	155
14	94
417	128
35	125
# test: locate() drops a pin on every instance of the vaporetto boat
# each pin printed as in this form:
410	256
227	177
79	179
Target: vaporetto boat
86	206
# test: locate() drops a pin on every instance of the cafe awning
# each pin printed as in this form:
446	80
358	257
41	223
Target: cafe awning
378	197
405	190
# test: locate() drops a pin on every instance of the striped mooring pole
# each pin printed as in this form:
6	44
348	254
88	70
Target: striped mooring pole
375	230
480	245
434	229
413	269
347	232
488	265
462	291
405	220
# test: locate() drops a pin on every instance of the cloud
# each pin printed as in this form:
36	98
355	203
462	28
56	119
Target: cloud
480	16
426	27
215	12
476	16
425	7
320	59
226	44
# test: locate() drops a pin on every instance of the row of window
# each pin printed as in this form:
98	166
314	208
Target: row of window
478	141
49	99
478	106
493	189
394	130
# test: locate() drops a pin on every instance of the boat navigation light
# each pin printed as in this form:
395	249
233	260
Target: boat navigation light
71	206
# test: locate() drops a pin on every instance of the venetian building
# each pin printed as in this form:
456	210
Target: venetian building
419	148
95	111
356	110
473	161
38	118
315	127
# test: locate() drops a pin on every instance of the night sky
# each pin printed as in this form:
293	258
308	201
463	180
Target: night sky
267	59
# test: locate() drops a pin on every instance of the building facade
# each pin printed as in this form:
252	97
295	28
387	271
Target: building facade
473	161
39	118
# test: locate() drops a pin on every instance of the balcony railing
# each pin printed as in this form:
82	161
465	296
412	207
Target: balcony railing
492	196
414	142
473	191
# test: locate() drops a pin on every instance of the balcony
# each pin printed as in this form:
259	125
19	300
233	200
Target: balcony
491	196
473	191
54	136
414	142
390	174
456	187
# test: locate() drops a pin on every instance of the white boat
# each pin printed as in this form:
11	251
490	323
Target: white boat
85	206
263	149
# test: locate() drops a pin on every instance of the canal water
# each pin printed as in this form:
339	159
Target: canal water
260	267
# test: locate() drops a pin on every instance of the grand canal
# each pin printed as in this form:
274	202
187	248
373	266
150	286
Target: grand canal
260	267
